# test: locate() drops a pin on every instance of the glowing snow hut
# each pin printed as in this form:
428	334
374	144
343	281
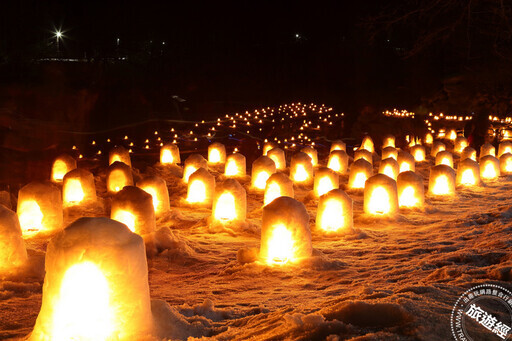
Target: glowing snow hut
12	247
216	153
468	153
201	188
78	187
285	234
468	173
119	153
437	146
418	151
363	154
389	167
262	168
277	155
268	146
411	192
39	208
406	162
389	152
301	169
325	180
96	285
157	187
61	165
444	157
367	144
388	141
235	166
504	147
489	167
360	171
278	185
193	163
229	202
380	195
460	143
506	164
338	161
338	145
313	154
441	180
133	207
119	175
487	149
335	212
170	154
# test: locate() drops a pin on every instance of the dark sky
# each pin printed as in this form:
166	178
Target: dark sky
189	24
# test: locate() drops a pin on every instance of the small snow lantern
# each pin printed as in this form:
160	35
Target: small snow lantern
389	152
441	180
193	163
429	139
278	185
78	187
388	141
411	192
170	154
133	207
235	166
277	155
363	154
313	154
452	134
468	153
119	153
437	147
268	146
444	158
119	174
229	202
301	169
334	213
504	147
487	149
62	164
389	167
12	247
338	145
367	144
418	151
468	173
285	234
216	153
489	167
262	168
360	170
325	180
338	161
96	285
506	164
406	162
201	187
380	195
157	187
460	143
39	208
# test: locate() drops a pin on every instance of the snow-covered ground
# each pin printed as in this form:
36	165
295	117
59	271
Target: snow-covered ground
392	279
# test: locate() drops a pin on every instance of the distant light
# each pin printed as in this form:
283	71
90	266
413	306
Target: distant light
297	35
163	43
58	34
